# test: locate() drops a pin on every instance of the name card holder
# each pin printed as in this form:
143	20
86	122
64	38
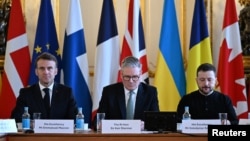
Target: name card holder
121	126
8	126
244	121
198	126
54	126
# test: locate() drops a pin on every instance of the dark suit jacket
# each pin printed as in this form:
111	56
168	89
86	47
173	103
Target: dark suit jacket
63	104
113	103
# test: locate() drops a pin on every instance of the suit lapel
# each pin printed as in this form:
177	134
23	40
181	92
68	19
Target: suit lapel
121	100
38	97
139	100
54	97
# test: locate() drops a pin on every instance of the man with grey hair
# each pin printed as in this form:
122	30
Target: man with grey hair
131	97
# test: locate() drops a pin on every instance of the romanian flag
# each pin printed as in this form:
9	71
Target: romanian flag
170	77
200	47
231	76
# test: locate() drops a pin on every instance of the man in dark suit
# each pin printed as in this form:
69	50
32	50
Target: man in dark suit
115	97
60	104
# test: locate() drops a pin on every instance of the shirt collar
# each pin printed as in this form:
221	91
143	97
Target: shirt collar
127	91
42	87
206	94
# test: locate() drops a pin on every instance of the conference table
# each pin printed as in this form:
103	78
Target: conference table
96	136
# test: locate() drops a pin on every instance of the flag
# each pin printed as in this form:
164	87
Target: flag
200	48
133	41
75	61
169	73
248	98
230	74
16	72
46	39
1	85
107	53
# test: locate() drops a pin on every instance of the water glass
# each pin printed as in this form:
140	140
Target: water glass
223	118
99	118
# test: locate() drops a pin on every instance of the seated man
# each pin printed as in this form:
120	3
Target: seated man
206	103
115	97
61	103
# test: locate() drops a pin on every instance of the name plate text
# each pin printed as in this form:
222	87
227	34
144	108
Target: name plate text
121	126
54	126
198	126
8	126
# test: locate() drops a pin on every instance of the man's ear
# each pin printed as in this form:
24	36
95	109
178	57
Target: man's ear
36	72
56	71
120	71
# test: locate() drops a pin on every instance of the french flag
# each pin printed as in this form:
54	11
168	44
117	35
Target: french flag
107	53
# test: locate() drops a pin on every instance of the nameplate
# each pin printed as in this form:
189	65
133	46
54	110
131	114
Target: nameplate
54	126
244	122
198	126
121	126
8	126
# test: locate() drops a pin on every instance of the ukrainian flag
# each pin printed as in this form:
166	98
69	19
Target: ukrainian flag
200	48
170	75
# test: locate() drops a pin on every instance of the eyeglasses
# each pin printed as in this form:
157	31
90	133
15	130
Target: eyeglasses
134	77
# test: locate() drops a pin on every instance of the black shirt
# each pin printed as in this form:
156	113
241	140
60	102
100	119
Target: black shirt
207	107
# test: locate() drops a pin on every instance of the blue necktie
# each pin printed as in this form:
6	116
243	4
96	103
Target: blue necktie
130	106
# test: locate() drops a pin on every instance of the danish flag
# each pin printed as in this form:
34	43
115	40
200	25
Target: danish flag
17	61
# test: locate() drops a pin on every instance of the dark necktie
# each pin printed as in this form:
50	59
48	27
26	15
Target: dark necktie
130	106
46	100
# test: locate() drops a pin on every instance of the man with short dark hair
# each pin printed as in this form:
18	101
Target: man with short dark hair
52	100
206	103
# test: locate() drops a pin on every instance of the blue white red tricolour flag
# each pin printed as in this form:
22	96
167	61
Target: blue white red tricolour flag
107	53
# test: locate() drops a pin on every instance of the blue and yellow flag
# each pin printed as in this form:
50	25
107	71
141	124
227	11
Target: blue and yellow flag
46	39
200	48
170	74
